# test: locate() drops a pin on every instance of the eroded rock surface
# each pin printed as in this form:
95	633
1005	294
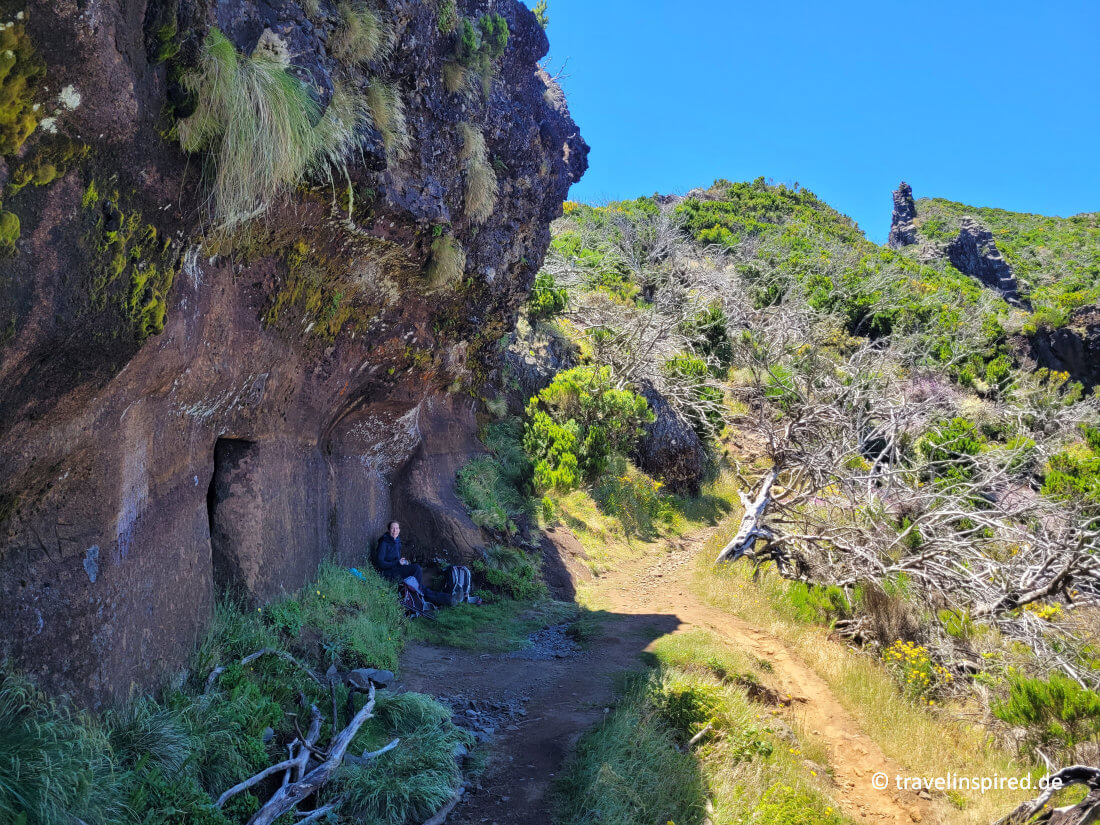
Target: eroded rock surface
1073	348
182	415
902	230
974	252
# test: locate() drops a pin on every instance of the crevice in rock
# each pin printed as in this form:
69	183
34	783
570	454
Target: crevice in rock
231	477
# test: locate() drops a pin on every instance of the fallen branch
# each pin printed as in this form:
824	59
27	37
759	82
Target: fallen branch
293	763
367	757
1084	812
288	797
697	738
751	528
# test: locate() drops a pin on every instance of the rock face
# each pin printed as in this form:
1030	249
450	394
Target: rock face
975	253
902	230
183	413
1074	348
531	362
670	448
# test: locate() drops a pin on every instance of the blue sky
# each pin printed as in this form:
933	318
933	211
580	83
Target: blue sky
989	103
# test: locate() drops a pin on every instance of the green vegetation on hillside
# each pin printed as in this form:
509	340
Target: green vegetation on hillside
1057	259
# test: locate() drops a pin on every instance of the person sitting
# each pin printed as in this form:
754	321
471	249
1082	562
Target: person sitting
388	560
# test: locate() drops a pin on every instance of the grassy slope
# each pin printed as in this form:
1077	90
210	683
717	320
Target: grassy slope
1057	258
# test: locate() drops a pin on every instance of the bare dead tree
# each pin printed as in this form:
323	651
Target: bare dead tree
859	492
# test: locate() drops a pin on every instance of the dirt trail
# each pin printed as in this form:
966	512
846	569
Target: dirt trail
536	709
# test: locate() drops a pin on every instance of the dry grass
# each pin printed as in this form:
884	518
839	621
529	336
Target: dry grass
447	263
455	77
481	180
256	121
363	35
926	742
387	109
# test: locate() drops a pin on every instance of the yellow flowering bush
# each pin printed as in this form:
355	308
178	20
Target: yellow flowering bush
912	666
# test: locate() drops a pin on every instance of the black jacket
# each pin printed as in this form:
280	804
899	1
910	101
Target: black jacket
387	553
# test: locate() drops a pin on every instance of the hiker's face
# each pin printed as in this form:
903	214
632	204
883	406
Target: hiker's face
395	529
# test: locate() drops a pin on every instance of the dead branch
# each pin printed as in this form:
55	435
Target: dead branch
293	763
288	797
1085	812
751	529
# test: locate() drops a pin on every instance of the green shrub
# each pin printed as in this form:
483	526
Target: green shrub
480	46
814	604
1055	712
578	423
511	572
547	298
447	17
948	447
1074	473
9	230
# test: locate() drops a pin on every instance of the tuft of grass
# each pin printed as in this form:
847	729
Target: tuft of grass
447	262
481	179
363	35
55	767
387	110
630	770
456	79
637	765
415	779
512	572
257	121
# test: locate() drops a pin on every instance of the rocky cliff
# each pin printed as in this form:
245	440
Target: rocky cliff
195	403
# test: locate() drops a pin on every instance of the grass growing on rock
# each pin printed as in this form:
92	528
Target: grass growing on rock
446	263
481	179
261	127
387	109
362	36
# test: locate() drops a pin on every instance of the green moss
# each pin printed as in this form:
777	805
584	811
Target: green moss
128	251
9	230
50	160
20	71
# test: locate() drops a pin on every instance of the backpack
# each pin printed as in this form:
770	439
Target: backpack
456	584
413	601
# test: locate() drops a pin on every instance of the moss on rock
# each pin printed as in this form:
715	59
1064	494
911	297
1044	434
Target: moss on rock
9	231
20	71
128	250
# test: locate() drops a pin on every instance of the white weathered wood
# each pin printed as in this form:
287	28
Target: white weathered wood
751	528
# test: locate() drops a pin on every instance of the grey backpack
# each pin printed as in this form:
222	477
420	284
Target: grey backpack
456	584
